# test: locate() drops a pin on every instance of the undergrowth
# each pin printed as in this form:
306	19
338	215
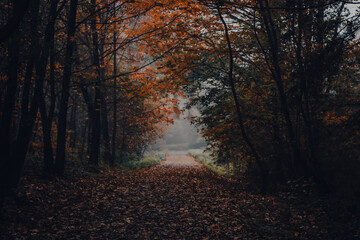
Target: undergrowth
210	163
148	160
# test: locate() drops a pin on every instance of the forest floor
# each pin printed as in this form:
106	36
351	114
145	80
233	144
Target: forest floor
179	199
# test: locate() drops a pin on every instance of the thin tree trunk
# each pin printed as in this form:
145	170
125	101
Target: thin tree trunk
104	110
61	137
73	118
237	105
123	138
105	131
277	75
278	144
47	118
114	92
96	124
114	106
305	110
91	113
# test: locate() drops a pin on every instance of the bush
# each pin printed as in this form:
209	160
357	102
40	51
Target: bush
211	164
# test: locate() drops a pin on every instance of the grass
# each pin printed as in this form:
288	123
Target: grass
210	163
149	159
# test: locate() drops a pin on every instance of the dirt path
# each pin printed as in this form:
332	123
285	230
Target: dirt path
180	159
178	199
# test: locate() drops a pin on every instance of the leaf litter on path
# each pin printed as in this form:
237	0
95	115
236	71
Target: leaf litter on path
178	199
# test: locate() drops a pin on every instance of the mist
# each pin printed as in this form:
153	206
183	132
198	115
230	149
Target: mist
182	135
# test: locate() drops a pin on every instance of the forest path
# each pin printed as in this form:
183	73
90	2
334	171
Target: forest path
180	159
179	199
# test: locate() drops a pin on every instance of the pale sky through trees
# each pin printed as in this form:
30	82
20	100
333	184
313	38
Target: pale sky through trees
182	135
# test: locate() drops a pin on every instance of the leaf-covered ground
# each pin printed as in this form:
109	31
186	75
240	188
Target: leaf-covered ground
178	199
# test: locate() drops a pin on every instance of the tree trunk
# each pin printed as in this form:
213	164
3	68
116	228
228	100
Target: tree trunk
96	122
91	117
300	164
73	117
7	113
114	94
278	144
238	108
304	104
19	10
61	137
12	161
114	112
105	131
47	118
104	110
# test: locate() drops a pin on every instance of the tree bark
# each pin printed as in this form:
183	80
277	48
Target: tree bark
7	113
61	137
114	99
104	110
114	130
12	161
47	118
96	124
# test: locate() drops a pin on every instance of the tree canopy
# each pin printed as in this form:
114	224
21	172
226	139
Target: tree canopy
276	83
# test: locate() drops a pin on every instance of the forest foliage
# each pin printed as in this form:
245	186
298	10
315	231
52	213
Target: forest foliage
276	83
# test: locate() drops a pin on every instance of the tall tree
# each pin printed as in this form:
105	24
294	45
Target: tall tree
70	42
